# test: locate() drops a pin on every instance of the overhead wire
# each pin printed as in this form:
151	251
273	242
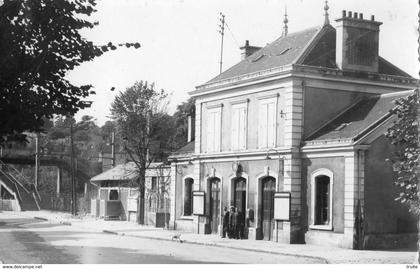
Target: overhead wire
233	36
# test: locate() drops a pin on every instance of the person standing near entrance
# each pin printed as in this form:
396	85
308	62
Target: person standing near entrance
232	223
236	223
225	219
240	224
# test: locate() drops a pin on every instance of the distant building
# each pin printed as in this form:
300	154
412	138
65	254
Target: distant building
117	196
304	115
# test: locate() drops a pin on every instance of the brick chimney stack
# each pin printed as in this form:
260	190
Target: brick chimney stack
357	42
248	50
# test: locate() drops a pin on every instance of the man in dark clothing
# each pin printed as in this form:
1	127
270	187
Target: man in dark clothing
225	218
235	224
232	223
240	224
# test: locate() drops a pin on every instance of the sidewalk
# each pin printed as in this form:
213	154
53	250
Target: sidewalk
322	253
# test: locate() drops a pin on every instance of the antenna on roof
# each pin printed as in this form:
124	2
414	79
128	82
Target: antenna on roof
285	21
326	7
222	33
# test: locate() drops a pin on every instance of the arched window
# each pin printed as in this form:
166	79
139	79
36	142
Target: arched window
188	196
322	202
321	199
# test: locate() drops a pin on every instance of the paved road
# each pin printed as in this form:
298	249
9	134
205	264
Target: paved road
26	240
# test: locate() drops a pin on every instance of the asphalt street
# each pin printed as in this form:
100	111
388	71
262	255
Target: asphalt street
25	240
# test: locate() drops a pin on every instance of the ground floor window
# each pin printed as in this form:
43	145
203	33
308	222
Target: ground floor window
322	193
188	197
321	199
113	195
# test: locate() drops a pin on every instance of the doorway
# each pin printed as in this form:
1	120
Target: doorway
214	205
268	188
239	195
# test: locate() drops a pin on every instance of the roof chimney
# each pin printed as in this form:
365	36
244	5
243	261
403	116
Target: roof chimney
357	43
248	50
190	129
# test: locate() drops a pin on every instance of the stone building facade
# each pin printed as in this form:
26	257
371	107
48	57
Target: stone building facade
304	115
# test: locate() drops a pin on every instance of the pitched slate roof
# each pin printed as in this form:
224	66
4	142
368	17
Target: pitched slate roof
283	51
287	50
358	119
126	171
185	150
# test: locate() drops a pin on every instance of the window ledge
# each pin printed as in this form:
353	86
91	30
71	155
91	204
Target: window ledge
187	218
321	227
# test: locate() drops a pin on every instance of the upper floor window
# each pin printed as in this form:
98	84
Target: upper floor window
154	183
267	123
214	123
239	126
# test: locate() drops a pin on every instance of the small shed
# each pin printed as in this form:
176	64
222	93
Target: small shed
118	193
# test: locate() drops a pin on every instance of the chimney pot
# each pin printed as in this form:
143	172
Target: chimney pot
190	129
355	15
372	18
344	13
361	16
350	14
247	50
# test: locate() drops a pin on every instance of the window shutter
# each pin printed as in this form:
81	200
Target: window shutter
262	126
217	129
271	125
242	128
210	131
235	130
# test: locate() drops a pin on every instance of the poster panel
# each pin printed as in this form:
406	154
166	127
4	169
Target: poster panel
198	203
282	206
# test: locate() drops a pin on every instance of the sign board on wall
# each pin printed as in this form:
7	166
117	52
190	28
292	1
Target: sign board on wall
282	206
198	202
132	204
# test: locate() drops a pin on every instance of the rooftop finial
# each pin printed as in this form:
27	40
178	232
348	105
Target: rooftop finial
326	7
285	21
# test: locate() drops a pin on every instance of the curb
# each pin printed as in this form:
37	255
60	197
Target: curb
322	260
40	218
110	232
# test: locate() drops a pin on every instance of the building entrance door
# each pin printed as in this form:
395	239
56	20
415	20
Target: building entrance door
240	195
214	205
267	207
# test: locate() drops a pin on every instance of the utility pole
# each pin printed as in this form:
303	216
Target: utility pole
222	33
142	183
36	161
73	182
113	148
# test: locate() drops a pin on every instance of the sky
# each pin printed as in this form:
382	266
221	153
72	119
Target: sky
180	42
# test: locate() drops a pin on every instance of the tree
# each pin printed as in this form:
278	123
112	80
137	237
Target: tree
183	110
40	41
145	127
404	134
